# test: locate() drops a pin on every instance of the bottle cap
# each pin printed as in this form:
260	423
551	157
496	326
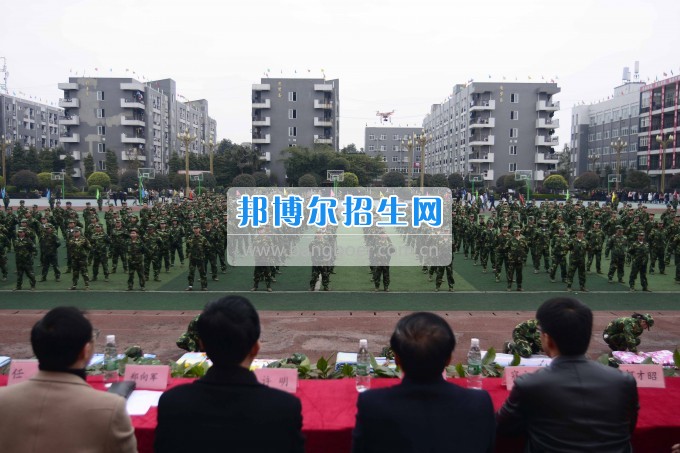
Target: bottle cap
363	343
110	338
474	342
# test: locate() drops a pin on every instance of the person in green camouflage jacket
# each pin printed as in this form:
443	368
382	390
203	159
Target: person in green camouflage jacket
657	247
623	334
197	245
559	246
213	238
100	252
502	251
541	247
119	239
578	253
164	244
617	245
176	238
639	256
674	249
4	244
595	240
24	250
189	339
49	245
488	239
518	248
80	250
152	255
135	251
526	339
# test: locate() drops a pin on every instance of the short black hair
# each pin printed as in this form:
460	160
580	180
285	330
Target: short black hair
228	329
424	343
59	337
569	322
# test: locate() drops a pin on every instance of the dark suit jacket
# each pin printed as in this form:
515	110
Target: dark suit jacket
574	405
227	410
427	417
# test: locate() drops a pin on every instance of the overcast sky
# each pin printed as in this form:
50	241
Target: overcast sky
389	55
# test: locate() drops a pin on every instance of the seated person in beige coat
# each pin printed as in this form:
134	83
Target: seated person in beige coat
57	411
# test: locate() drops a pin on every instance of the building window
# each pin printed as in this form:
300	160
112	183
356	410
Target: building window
633	146
514	114
292	96
292	114
606	135
371	137
608	117
395	158
100	95
513	150
384	159
100	113
101	165
642	161
644	141
512	167
101	130
514	132
292	131
598	136
591	137
514	98
101	147
605	150
615	133
395	147
383	148
383	137
633	130
396	137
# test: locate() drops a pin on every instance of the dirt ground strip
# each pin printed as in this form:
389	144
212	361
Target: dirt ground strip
315	333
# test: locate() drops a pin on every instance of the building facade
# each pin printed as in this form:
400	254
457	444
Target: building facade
490	129
138	121
399	147
293	112
29	123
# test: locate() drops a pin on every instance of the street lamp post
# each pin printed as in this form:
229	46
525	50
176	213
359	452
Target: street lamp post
186	138
211	145
409	143
422	141
619	145
663	145
4	143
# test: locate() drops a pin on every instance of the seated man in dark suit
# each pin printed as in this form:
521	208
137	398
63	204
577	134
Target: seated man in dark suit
424	413
228	409
575	404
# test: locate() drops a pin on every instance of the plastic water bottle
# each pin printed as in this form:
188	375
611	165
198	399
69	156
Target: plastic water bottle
363	367
474	365
110	360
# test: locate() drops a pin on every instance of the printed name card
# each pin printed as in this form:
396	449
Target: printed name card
285	379
148	377
513	372
22	370
646	375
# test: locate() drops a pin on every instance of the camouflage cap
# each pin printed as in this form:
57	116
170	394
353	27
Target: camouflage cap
135	229
619	227
151	225
580	230
163	222
77	229
644	317
22	230
23	221
195	225
516	229
49	225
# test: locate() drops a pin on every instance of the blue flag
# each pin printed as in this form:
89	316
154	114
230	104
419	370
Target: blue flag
2	194
49	193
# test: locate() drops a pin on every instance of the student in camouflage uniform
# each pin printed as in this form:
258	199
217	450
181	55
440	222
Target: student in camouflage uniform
212	237
674	249
382	251
623	334
152	247
617	245
49	243
559	246
517	254
100	252
319	250
80	250
502	251
262	271
595	240
176	237
220	243
540	247
197	245
639	255
487	241
526	339
657	247
189	339
164	248
4	244
578	252
119	240
24	250
135	259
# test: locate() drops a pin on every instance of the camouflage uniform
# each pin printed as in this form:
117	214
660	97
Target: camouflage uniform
189	339
4	244
541	247
674	249
595	240
176	237
212	237
623	334
559	246
80	249
487	241
617	246
49	243
100	253
24	250
517	254
197	245
164	248
135	260
119	239
526	339
152	247
639	254
578	248
502	252
318	252
383	246
657	248
262	271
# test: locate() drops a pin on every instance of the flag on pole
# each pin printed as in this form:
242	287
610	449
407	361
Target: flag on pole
568	194
97	193
2	193
381	194
285	192
48	194
332	194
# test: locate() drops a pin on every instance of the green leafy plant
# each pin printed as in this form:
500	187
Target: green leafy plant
186	370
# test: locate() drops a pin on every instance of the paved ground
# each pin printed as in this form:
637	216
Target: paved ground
314	333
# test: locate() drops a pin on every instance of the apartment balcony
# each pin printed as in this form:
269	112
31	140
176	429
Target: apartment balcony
74	154
323	140
128	156
486	141
547	106
77	173
138	140
327	105
262	104
259	122
132	86
546	158
543	123
486	122
483	105
69	103
323	87
125	121
266	156
321	122
69	138
488	175
67	86
542	140
540	175
262	139
131	104
261	87
69	121
481	158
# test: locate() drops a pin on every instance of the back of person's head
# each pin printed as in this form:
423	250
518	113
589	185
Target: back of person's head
59	337
569	322
228	328
424	343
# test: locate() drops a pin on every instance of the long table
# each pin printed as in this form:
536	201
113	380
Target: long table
329	409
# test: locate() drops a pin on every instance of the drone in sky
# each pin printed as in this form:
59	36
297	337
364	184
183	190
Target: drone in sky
385	116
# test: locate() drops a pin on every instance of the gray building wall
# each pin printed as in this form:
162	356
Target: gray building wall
309	118
391	144
29	123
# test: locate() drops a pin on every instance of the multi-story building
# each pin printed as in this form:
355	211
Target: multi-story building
139	121
293	112
605	134
658	132
399	147
29	123
490	129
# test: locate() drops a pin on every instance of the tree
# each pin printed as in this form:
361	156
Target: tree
456	181
262	179
99	178
299	161
243	180
175	164
49	160
587	181
129	180
88	163
349	149
32	160
160	182
366	168
439	180
555	182
18	158
637	180
508	181
674	182
111	162
393	179
45	180
339	163
349	180
308	180
25	180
